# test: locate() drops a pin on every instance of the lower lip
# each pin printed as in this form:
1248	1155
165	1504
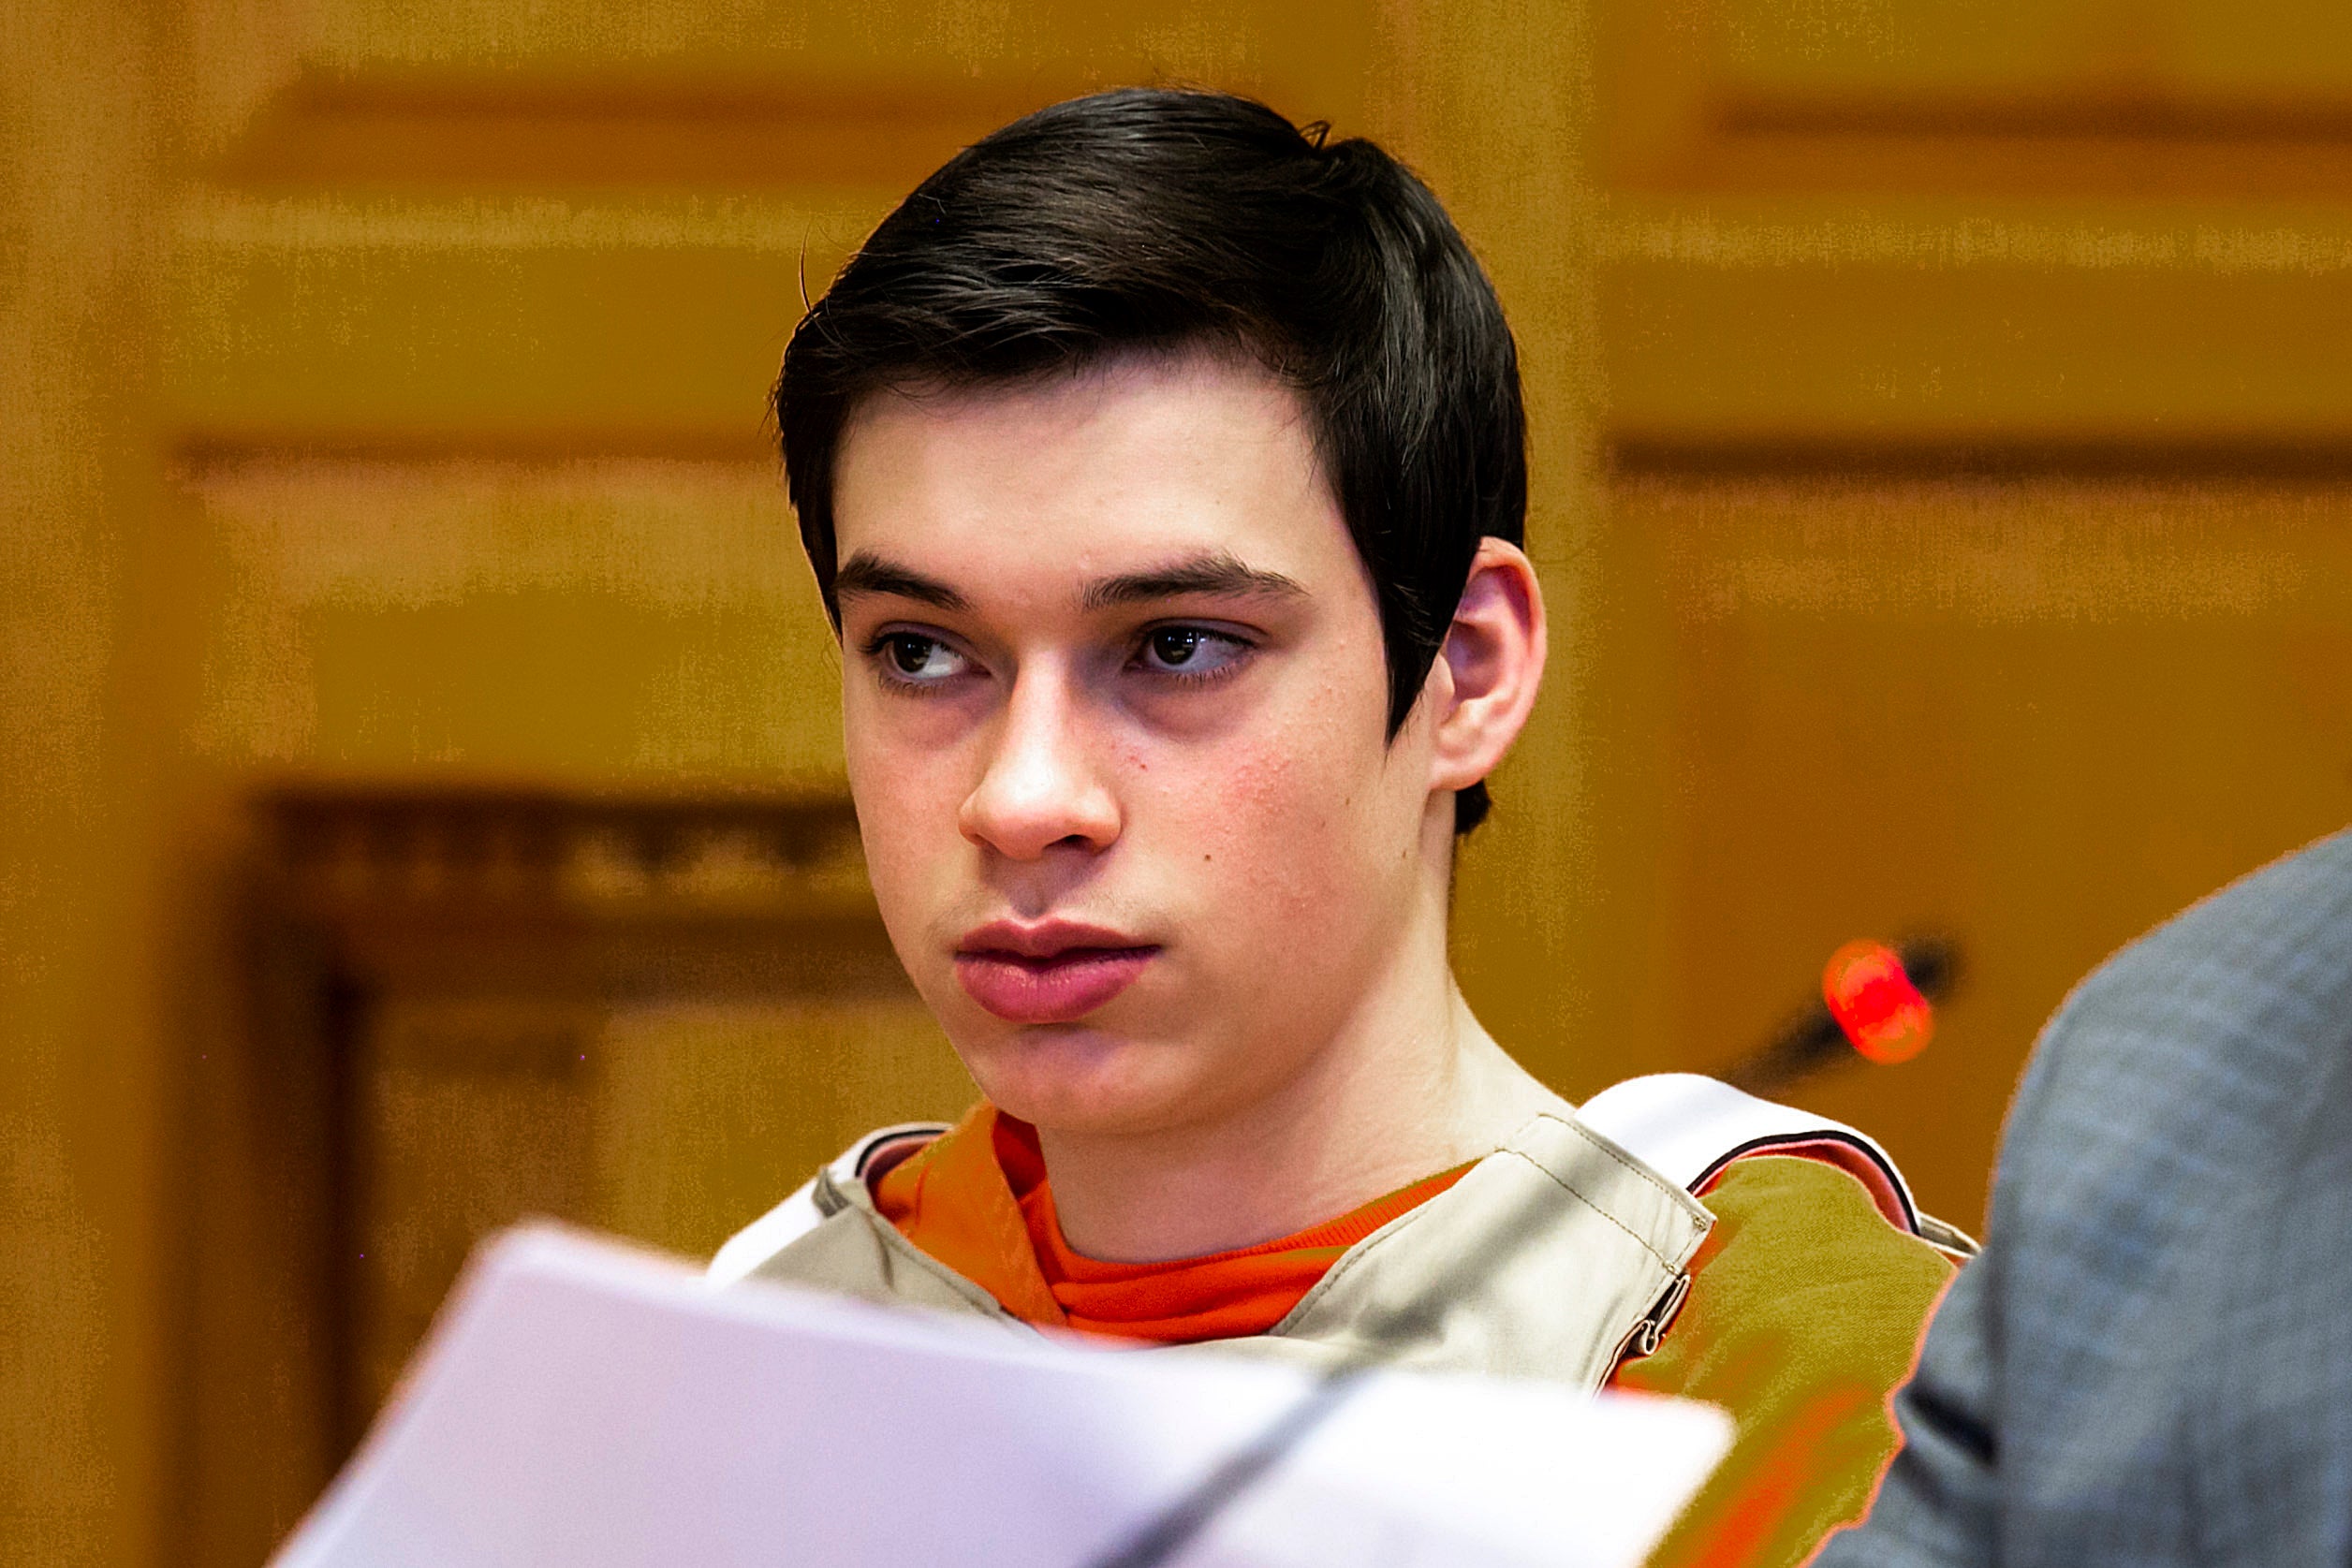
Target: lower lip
1060	989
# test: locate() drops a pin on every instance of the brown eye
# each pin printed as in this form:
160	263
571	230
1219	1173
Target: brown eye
912	659
1190	653
1174	646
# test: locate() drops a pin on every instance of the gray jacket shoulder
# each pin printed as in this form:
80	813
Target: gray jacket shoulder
2173	1070
2147	1365
2266	953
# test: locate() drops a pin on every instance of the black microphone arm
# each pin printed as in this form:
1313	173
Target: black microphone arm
1813	1040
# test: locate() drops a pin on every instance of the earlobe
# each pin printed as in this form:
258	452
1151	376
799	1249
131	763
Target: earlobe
1494	659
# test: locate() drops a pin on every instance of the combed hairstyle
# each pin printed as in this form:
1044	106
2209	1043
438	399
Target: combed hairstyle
1160	220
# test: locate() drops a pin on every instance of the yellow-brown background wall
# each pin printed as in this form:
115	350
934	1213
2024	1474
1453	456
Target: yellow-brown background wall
1943	438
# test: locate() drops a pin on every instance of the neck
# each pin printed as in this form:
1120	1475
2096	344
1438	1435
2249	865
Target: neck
1411	1086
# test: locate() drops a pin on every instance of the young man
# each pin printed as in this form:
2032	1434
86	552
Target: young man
1162	469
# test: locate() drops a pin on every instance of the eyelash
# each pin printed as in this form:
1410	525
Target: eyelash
1242	648
877	651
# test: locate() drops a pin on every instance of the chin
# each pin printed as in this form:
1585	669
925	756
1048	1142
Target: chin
1075	1078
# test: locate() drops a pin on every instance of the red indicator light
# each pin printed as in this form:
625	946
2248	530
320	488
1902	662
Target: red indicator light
1883	1014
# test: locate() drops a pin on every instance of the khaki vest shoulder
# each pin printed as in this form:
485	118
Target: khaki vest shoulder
1544	1260
855	1251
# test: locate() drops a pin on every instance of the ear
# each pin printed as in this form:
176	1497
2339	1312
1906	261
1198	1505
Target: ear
1488	672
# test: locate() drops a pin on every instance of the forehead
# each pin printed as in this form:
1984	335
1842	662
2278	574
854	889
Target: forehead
1025	490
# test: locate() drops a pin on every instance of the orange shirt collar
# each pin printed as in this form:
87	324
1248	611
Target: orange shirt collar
977	1200
950	1199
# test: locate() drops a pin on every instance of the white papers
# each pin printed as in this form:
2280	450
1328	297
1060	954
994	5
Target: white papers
585	1405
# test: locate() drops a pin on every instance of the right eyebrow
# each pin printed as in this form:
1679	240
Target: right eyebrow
1217	572
869	574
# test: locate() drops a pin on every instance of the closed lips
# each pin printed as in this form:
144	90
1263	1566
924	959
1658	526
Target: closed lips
1044	975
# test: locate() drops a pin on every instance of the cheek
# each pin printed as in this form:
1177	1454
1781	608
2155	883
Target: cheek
1288	829
907	796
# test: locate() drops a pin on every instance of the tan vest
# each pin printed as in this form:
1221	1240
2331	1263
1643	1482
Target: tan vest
1555	1256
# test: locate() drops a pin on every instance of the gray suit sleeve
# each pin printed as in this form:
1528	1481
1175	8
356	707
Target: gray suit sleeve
2151	1364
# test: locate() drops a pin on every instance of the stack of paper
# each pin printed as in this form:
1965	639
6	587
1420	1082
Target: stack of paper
586	1405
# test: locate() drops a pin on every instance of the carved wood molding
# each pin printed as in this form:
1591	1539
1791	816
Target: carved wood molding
619	127
2113	114
543	892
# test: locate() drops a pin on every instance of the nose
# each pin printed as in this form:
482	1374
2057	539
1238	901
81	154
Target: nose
1041	788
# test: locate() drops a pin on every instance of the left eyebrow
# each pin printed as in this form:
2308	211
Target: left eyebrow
1214	573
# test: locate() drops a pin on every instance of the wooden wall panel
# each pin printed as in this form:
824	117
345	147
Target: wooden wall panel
1491	101
2056	339
568	619
87	1078
522	324
1928	53
1976	443
673	1122
706	1113
2081	98
2034	714
468	1006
